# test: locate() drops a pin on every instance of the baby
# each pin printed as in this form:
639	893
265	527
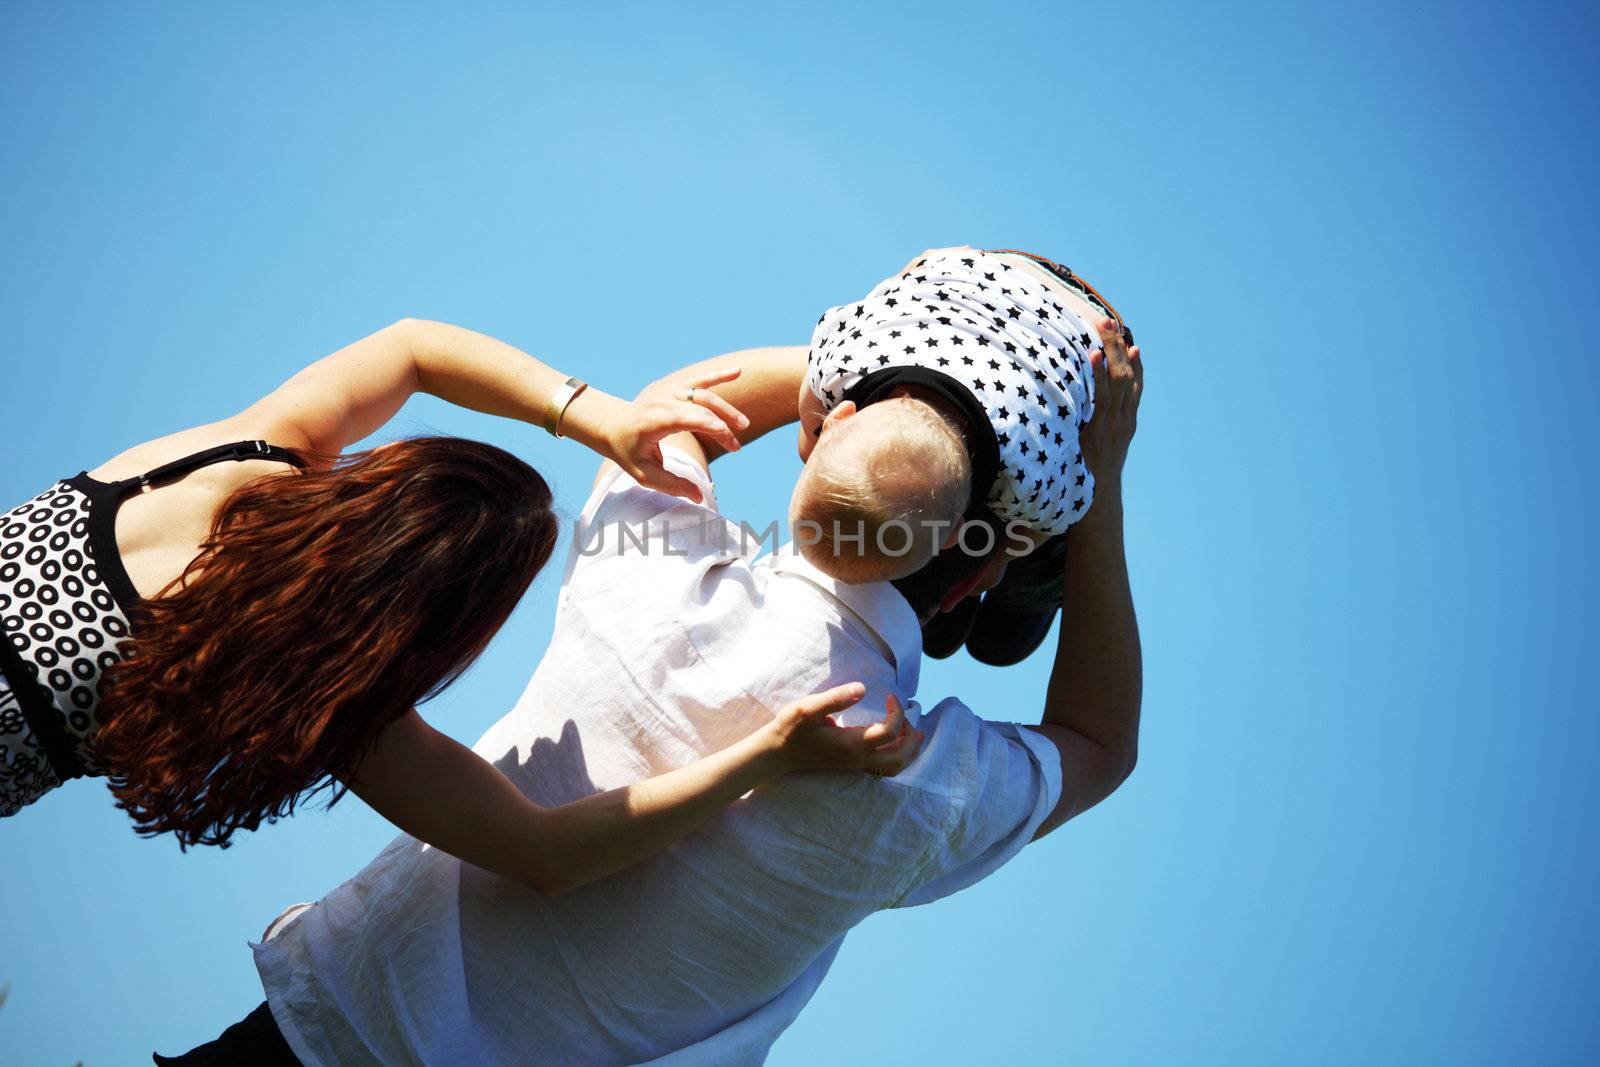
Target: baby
958	384
1002	368
883	490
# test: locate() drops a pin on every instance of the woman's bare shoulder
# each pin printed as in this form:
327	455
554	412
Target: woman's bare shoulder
246	426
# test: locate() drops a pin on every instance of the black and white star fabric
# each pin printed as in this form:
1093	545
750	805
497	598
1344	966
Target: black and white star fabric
1007	336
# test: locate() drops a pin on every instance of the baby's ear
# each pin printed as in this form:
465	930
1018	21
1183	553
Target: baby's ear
811	434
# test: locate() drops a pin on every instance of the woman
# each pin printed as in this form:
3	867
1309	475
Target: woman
229	619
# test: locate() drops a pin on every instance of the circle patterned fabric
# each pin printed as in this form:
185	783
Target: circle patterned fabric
25	771
62	623
1004	335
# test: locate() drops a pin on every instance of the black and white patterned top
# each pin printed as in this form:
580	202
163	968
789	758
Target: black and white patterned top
1004	335
61	626
65	601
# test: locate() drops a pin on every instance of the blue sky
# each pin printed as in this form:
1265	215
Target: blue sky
1355	242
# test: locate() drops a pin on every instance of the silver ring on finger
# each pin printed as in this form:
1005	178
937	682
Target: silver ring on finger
689	396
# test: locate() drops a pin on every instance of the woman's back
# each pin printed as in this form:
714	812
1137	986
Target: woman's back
160	531
67	600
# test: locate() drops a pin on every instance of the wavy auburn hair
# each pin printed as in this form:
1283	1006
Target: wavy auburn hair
324	605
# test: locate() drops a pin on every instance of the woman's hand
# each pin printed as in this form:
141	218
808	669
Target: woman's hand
805	737
629	433
1118	385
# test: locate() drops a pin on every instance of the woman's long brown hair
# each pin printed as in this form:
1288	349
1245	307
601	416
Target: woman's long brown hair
323	606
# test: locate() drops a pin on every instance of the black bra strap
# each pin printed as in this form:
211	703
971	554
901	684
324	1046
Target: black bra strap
240	450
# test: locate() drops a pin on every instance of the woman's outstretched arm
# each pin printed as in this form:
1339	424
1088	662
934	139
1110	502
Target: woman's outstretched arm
344	397
442	793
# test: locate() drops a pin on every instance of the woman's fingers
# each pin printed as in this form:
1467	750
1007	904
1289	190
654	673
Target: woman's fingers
721	377
649	469
721	407
892	759
816	742
699	391
819	706
894	721
678	415
905	736
653	474
719	428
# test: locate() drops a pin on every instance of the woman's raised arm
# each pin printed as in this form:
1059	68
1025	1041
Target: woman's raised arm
343	398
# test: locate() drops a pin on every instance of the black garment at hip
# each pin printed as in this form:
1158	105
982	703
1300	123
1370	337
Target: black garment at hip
254	1041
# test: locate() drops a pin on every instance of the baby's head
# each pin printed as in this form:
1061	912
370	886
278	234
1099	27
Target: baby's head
883	490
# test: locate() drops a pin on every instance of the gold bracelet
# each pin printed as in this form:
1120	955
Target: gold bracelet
560	400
